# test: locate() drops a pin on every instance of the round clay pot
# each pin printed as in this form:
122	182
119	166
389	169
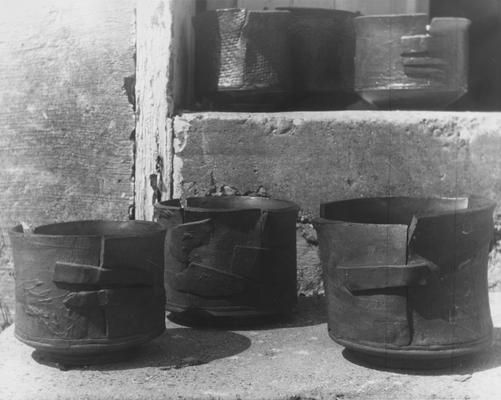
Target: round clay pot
230	256
402	62
406	278
89	291
242	58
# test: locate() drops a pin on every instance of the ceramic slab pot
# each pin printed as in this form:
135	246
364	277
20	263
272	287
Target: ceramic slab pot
89	291
229	256
402	62
406	278
242	58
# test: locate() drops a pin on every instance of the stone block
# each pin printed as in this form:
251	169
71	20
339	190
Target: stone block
312	157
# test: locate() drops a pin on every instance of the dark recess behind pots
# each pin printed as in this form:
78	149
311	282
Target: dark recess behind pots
485	50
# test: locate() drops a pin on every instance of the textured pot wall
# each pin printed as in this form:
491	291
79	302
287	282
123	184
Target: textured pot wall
65	120
315	157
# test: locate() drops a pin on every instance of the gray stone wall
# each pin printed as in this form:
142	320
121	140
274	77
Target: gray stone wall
66	150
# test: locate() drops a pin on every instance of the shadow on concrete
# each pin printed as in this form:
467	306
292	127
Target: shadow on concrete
465	366
309	311
176	348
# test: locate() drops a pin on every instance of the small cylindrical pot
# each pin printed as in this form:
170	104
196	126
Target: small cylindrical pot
229	256
406	278
89	291
323	49
242	58
402	62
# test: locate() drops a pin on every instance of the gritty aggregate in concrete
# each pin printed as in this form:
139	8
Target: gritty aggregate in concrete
292	359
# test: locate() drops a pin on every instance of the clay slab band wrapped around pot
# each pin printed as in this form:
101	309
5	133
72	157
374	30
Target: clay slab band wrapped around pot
406	278
242	57
89	291
402	62
229	256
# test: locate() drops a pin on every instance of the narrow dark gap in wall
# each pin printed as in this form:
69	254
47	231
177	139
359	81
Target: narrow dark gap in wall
129	86
132	208
171	172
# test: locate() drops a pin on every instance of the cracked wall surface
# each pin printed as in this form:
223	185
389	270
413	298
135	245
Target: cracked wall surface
65	117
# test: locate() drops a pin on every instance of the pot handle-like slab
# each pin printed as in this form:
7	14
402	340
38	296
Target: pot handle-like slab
417	57
80	274
367	277
119	297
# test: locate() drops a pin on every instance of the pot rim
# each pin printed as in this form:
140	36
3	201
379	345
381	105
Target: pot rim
175	204
393	16
465	21
481	204
319	10
278	10
18	230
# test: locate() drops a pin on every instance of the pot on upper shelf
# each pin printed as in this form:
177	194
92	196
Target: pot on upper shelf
402	62
229	257
242	58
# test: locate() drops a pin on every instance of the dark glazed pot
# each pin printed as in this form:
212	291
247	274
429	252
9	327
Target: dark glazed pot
323	49
402	63
242	58
406	278
229	256
89	291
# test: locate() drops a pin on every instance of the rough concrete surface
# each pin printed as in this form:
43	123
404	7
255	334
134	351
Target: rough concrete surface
293	360
65	118
313	157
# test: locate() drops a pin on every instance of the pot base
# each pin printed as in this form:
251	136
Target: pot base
224	316
412	358
247	100
207	320
76	354
79	360
389	363
410	98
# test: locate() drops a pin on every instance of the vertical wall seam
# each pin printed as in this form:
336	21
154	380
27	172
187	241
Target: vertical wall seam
171	158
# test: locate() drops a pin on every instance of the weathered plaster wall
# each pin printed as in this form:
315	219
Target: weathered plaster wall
164	37
65	120
316	157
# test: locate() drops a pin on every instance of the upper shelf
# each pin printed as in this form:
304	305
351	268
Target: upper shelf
166	49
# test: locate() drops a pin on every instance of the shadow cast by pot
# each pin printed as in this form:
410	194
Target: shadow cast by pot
309	311
465	366
176	348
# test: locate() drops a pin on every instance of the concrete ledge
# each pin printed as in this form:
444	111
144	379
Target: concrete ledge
295	360
312	157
